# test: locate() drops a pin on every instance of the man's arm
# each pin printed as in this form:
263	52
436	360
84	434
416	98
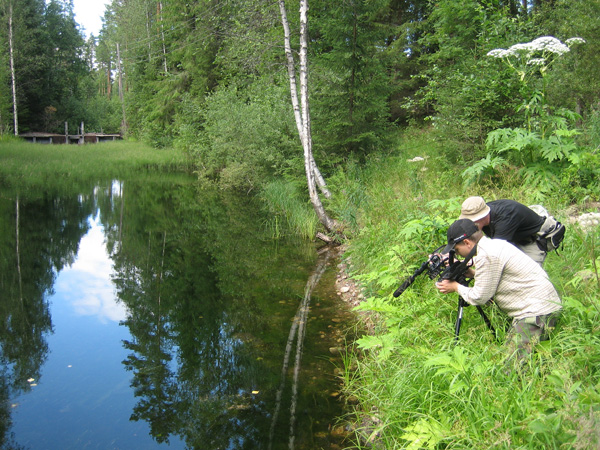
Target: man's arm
487	278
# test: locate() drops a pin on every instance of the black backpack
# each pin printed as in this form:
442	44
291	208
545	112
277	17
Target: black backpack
552	232
552	238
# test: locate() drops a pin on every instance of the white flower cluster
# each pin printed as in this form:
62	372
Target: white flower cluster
536	62
544	44
589	221
498	53
575	40
548	44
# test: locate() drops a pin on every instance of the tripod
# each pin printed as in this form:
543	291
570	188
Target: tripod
450	269
459	315
457	273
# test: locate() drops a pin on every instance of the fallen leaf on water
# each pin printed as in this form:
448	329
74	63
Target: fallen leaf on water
239	407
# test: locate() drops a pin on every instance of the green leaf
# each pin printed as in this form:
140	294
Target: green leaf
425	433
539	426
486	166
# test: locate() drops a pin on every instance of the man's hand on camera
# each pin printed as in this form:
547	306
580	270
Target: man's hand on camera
437	264
447	286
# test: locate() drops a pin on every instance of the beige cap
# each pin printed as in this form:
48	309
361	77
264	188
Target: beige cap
474	208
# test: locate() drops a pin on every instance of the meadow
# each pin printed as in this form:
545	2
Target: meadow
32	164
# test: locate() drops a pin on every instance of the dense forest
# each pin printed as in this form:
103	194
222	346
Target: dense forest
210	77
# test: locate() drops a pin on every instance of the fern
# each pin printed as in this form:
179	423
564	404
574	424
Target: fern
540	177
486	166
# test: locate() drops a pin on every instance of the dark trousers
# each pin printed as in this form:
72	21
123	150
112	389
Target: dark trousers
525	333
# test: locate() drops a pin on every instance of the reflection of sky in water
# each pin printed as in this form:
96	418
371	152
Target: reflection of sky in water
86	285
83	397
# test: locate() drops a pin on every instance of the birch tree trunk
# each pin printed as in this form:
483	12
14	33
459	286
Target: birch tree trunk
162	35
301	111
148	35
12	69
121	95
294	94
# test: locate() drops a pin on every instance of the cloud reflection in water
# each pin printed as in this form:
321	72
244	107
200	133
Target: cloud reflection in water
87	285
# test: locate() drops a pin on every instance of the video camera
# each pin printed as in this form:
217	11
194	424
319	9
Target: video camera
448	268
438	265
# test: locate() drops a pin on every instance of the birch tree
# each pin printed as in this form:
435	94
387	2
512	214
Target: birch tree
302	112
12	70
8	10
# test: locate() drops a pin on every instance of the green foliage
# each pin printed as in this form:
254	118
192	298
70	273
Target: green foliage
580	181
289	208
545	145
350	85
575	82
415	388
101	114
467	96
401	209
48	64
249	135
5	91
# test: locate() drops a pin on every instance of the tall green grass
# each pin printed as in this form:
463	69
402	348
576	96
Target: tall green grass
290	209
415	388
33	164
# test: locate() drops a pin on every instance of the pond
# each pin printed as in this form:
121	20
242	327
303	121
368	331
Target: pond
150	313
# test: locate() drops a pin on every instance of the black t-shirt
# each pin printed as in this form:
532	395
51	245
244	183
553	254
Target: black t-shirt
513	222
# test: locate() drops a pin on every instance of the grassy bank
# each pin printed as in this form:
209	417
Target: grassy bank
32	164
412	387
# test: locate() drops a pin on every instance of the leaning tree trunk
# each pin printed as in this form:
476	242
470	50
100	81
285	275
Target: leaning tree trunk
301	112
294	94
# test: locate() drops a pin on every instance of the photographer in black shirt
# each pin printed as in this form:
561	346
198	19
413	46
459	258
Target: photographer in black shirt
508	220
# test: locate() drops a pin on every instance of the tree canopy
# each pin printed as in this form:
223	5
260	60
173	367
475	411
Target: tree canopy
209	76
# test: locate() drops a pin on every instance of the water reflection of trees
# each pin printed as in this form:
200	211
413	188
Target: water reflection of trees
39	235
203	287
201	315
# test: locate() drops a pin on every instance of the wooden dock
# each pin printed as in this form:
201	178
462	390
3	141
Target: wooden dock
54	138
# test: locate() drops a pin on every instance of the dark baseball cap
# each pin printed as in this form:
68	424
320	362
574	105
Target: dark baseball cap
458	232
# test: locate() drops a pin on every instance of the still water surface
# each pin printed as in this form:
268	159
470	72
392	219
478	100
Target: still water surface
152	314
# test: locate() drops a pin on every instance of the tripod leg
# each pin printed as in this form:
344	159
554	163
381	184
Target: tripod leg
486	320
459	315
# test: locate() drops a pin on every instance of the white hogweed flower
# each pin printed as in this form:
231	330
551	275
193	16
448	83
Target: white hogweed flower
498	53
549	44
517	49
536	62
543	44
575	40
